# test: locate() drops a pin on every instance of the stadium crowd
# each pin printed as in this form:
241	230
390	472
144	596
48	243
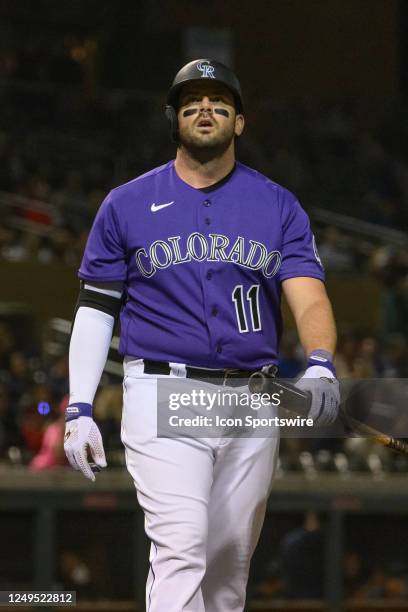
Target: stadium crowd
66	149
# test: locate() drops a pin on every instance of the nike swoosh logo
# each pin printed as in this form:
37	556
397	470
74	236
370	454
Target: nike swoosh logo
154	207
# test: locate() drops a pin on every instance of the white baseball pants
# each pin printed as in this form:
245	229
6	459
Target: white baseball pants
204	502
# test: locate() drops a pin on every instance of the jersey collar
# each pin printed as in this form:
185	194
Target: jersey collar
220	182
209	189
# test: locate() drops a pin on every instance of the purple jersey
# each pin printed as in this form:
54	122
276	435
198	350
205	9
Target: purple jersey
202	268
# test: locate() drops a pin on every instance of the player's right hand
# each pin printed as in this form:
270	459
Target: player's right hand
82	434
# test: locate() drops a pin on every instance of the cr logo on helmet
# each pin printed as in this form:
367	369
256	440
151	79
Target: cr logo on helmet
206	68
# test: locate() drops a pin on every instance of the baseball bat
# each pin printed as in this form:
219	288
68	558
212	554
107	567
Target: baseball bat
299	401
94	467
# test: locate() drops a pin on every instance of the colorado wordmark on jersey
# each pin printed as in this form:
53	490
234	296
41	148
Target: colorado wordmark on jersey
214	247
202	268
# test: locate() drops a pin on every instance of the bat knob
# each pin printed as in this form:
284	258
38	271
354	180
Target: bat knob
94	467
257	382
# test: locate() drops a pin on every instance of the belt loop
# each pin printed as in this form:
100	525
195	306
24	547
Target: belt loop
178	369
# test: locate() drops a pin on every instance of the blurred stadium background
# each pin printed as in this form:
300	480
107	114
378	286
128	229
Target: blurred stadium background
82	87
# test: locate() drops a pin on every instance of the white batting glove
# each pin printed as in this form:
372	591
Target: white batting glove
325	391
80	434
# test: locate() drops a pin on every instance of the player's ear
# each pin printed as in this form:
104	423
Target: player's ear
239	125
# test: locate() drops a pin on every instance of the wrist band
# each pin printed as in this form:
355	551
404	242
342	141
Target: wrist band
76	410
323	358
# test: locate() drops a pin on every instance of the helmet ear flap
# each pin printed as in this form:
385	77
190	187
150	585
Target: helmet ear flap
171	115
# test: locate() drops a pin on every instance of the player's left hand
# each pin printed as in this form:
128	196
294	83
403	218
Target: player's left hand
324	387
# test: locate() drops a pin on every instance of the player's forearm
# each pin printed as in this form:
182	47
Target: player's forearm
316	327
88	351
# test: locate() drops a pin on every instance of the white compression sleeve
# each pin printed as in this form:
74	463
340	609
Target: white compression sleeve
88	351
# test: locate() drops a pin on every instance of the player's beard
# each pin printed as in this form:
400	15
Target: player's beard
204	148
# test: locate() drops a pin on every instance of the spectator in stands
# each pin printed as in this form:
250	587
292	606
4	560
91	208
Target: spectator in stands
395	356
335	256
7	345
390	264
355	574
31	421
387	580
303	578
368	357
37	188
6	163
291	360
346	353
108	411
6	239
20	378
16	248
9	432
4	429
51	453
76	573
292	575
271	586
58	376
74	207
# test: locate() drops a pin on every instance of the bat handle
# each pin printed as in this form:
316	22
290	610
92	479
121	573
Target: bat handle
291	397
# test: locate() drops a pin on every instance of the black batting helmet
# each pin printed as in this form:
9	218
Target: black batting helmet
196	71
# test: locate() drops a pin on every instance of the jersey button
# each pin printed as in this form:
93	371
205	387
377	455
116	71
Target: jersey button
208	221
219	349
207	203
214	311
209	275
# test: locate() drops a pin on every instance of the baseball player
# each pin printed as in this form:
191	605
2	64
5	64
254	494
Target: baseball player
194	256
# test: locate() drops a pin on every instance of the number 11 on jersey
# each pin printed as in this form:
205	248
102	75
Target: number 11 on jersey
252	297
